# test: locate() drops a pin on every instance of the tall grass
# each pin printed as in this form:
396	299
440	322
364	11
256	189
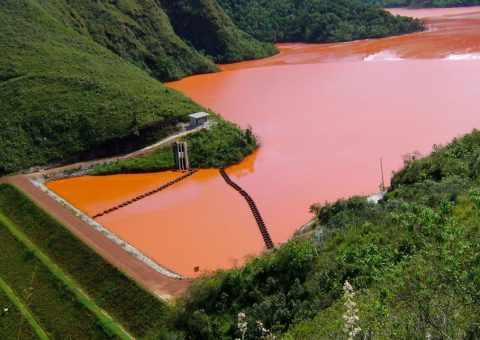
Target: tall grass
54	306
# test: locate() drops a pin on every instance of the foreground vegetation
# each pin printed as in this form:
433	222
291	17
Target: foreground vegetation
159	160
315	21
412	259
222	145
423	3
53	303
131	306
12	319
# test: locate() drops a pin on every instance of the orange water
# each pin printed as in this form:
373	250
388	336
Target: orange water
433	12
94	194
325	114
199	222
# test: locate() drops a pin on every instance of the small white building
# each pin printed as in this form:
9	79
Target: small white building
198	118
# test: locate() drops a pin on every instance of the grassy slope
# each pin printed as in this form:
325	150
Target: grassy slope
134	308
52	304
160	160
208	28
84	301
413	260
12	321
225	144
138	31
315	21
62	94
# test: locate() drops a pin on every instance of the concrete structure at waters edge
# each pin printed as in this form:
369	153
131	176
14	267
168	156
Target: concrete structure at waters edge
180	153
198	119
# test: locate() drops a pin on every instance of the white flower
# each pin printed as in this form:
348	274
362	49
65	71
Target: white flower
242	324
5	310
350	317
266	335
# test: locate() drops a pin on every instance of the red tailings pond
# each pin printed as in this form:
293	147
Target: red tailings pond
325	114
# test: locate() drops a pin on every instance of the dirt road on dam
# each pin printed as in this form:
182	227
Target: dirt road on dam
162	286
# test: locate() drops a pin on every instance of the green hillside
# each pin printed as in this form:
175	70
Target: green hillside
138	31
65	91
222	145
62	94
423	3
206	26
413	261
315	20
142	32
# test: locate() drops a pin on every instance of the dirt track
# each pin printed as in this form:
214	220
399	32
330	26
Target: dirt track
163	286
57	168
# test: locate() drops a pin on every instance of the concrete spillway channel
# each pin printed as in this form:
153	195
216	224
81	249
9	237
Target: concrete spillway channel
253	208
145	195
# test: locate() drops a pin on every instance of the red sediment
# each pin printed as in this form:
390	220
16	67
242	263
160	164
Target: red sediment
422	13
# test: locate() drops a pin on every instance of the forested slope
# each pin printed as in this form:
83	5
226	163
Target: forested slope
315	20
209	29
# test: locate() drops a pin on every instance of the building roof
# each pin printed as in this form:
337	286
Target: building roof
198	115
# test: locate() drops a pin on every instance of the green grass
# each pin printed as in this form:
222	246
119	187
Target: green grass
160	160
54	306
15	320
139	312
109	324
142	32
225	144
